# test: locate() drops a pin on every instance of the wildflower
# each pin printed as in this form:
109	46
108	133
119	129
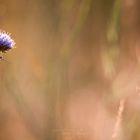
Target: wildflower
6	42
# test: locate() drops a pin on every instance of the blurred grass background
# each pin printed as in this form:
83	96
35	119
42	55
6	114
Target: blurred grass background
74	60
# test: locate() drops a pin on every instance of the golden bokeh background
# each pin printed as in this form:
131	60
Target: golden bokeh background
74	73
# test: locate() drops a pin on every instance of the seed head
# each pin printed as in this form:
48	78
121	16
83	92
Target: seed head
6	42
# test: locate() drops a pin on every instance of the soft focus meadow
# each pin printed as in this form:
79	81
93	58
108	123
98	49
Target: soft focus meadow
75	72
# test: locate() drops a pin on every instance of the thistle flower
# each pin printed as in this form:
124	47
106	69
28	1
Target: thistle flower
6	42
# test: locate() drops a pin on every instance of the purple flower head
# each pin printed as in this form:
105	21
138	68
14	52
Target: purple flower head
6	42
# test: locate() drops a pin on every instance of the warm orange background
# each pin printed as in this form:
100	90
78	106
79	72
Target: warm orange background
74	61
